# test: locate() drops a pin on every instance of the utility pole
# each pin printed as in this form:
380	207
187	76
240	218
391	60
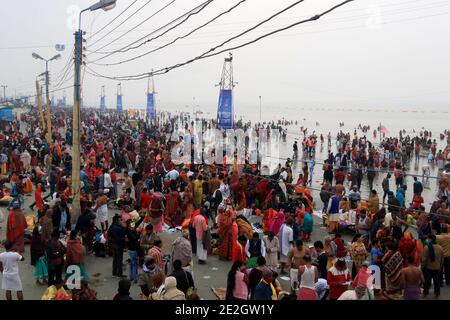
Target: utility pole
78	61
39	105
4	92
78	56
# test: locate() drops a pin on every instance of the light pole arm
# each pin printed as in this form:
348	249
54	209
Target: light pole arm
79	19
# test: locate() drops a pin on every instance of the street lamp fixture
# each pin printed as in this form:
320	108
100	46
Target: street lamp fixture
104	4
36	56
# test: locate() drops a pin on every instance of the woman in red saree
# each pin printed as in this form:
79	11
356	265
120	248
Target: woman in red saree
15	228
263	190
38	199
228	233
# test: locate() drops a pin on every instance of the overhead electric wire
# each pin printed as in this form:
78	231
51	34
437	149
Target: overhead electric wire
135	12
208	54
136	26
27	47
214	34
67	72
256	26
380	6
186	16
114	19
177	38
167	69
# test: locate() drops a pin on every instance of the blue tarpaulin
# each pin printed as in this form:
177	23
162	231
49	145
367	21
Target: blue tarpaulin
225	109
6	114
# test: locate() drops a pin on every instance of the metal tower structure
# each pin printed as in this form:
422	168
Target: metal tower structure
102	100
225	110
151	105
119	98
64	99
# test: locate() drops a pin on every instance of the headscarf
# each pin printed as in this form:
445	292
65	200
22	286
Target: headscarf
406	245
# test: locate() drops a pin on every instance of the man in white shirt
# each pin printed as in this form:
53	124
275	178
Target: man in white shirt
173	174
225	189
387	219
255	247
107	182
286	239
10	271
283	174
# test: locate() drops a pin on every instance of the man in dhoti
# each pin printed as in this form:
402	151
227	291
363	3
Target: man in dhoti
201	226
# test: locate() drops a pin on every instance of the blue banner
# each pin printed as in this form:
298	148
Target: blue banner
225	109
102	104
119	103
60	47
151	105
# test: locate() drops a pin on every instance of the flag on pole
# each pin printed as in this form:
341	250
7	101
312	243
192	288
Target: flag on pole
383	129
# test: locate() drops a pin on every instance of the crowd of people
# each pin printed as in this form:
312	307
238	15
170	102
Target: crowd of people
132	192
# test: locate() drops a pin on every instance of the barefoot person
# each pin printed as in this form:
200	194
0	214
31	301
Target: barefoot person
10	270
412	280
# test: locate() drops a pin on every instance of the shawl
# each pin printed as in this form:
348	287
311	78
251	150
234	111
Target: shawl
245	228
182	250
392	263
75	252
16	225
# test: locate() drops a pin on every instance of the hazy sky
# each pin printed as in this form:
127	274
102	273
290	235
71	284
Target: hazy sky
384	53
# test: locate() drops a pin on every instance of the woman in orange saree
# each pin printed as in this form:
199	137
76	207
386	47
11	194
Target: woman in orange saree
228	232
188	201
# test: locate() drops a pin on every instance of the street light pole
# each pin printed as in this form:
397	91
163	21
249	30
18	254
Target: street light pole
47	104
47	82
76	150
